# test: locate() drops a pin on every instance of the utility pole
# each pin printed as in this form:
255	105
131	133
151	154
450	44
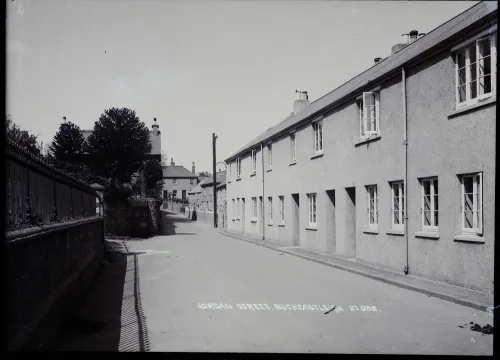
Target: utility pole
214	138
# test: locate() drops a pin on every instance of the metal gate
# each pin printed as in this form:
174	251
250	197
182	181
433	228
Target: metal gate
117	223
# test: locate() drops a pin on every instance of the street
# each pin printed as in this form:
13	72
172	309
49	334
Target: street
204	292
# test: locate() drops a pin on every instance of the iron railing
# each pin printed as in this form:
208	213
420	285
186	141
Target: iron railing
39	194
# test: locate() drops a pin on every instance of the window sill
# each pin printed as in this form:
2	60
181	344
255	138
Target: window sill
366	141
238	179
238	219
281	225
232	219
427	234
370	231
395	232
474	239
477	105
292	163
252	174
269	224
253	221
317	155
269	170
312	228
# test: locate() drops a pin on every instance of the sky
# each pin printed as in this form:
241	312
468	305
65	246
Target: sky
199	67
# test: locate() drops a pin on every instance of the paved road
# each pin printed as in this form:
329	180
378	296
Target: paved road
180	274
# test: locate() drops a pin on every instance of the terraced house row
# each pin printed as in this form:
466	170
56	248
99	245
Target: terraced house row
395	168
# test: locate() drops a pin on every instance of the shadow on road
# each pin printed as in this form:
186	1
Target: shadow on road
111	317
169	223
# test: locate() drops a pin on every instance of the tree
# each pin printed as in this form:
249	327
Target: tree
204	173
68	144
22	137
118	145
153	175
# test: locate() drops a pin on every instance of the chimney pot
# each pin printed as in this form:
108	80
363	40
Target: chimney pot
406	38
421	35
413	36
377	60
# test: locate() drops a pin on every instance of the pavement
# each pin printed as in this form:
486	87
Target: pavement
197	290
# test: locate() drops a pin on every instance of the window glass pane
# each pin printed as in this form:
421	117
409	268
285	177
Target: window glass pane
473	72
484	48
427	203
427	187
468	184
468	220
427	218
461	93
396	218
435	183
436	221
461	59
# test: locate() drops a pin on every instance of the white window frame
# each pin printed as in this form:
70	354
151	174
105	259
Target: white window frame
312	201
477	204
269	156
174	181
270	209
465	48
282	209
374	224
238	209
238	168
254	208
293	147
317	131
433	208
254	162
363	118
191	181
234	210
229	172
399	187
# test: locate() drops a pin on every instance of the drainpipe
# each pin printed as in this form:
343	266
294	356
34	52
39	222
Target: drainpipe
405	192
263	199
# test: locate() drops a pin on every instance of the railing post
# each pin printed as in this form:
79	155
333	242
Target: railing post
29	215
72	212
55	216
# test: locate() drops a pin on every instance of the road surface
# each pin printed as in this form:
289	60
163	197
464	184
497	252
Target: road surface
203	291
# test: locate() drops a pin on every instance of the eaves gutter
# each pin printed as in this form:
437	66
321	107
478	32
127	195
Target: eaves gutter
417	52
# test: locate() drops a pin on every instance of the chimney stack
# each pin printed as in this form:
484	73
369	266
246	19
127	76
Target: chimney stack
192	169
172	162
413	36
404	42
377	60
155	127
301	102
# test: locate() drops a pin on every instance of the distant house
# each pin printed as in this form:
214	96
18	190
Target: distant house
194	196
154	138
206	195
178	181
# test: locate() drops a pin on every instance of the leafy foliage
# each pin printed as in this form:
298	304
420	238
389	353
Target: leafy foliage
152	174
204	173
68	144
118	145
22	137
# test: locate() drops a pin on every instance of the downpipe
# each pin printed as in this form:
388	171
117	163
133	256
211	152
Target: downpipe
405	182
262	204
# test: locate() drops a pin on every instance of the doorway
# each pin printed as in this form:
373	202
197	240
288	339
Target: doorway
330	222
295	220
350	222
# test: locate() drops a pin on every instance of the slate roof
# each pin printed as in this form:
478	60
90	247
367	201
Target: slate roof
177	171
454	29
196	189
219	177
221	185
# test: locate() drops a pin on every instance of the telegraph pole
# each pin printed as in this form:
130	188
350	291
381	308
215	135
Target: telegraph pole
214	138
